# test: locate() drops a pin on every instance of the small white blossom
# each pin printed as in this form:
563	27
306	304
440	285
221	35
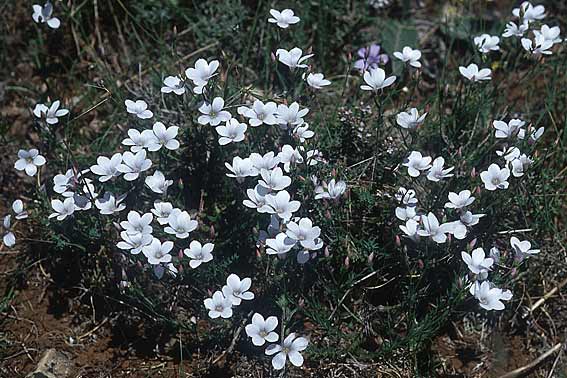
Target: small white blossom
281	205
137	224
509	154
18	209
268	161
163	137
62	209
110	204
431	227
173	84
495	177
256	198
514	30
332	190
232	131
317	80
241	168
522	248
289	348
107	168
180	224
486	43
376	80
262	330
260	113
212	114
138	108
283	19
134	164
202	73
459	201
527	12
288	156
489	298
51	113
64	183
137	141
409	56
157	252
520	165
549	34
472	73
303	133
134	242
436	172
279	245
469	219
508	130
406	213
162	210
477	262
274	179
410	120
219	306
29	161
8	238
237	290
292	58
199	253
305	233
539	46
410	229
289	117
415	163
406	196
157	183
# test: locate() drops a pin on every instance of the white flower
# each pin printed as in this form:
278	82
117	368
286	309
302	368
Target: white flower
288	117
241	168
268	161
436	172
212	114
18	209
410	120
274	179
180	224
489	298
513	30
137	224
459	201
162	137
257	198
279	245
495	177
469	219
509	154
527	12
508	130
260	113
406	196
549	34
406	213
110	204
410	229
292	58
158	252
522	248
134	242
283	19
305	233
162	210
9	239
290	348
302	132
477	261
62	209
138	140
376	79
486	43
134	164
538	46
261	330
218	305
139	108
533	136
107	168
431	227
317	80
232	131
312	157
199	253
410	56
281	205
202	73
173	84
237	290
157	182
44	13
288	156
520	165
416	163
474	74
51	113
333	190
28	161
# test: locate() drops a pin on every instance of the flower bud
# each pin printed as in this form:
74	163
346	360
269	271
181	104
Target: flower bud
370	258
212	232
327	252
420	264
180	269
398	241
180	254
473	172
471	245
477	190
347	262
328	214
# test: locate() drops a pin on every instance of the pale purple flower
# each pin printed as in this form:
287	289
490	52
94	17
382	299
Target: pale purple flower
370	57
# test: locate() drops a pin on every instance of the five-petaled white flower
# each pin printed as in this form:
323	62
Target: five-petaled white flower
283	19
495	177
527	12
303	133
522	248
508	130
549	33
280	245
157	183
289	348
292	58
317	80
162	210
410	120
157	252
489	297
409	56
110	204
333	190
520	165
260	113
162	137
305	233
376	80
137	224
472	73
237	290
18	209
274	179
180	224
256	198
477	262
459	201
173	84
134	164
28	161
51	113
199	253
138	140
219	306
232	131
44	13
212	114
281	205
514	30
107	168
62	209
410	229
288	117
436	172
431	227
267	161
539	46
202	73
486	43
288	156
139	108
416	163
134	242
241	168
262	330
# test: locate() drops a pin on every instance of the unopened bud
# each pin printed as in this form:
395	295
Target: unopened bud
398	241
347	262
471	245
370	258
273	56
328	214
180	254
327	252
477	190
420	264
473	172
180	269
258	253
212	232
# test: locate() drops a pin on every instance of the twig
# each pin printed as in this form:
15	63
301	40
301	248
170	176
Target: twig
554	364
548	295
520	372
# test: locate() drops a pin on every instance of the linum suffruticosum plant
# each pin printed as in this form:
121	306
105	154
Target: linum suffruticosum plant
167	239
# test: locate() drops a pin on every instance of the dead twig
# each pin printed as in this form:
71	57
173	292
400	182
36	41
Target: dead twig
522	371
548	295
